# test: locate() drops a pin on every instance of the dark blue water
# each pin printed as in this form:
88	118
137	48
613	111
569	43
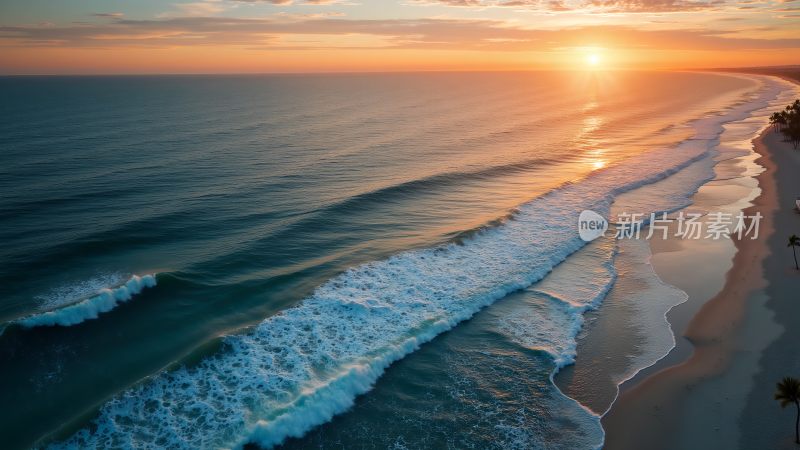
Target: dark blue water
242	194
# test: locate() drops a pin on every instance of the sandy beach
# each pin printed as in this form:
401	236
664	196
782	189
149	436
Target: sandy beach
715	389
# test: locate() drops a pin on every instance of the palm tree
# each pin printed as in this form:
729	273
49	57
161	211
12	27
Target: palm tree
773	120
787	122
793	134
792	129
788	391
782	119
794	241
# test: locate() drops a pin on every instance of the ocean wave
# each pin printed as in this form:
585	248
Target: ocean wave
300	367
552	315
74	291
105	300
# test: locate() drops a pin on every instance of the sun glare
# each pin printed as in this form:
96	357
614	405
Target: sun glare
593	59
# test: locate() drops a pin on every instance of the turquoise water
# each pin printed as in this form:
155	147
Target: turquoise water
326	226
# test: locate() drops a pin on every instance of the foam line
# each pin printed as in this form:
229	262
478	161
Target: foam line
300	367
92	307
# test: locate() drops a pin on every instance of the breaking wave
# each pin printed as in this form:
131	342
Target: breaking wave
300	367
104	301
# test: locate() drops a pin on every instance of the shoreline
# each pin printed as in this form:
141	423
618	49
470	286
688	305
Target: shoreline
656	405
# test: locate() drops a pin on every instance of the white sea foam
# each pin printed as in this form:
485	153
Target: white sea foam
68	293
299	368
103	301
552	315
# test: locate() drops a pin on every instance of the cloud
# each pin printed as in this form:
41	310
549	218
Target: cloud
199	9
557	5
274	2
307	16
484	35
482	3
115	15
328	2
654	5
588	6
303	2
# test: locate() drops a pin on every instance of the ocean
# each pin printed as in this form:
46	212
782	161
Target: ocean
335	261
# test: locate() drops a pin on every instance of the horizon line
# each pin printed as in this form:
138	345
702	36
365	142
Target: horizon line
386	72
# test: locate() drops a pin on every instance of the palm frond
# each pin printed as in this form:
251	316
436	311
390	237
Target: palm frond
788	391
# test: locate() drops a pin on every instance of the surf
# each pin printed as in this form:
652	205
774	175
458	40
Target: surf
90	308
300	367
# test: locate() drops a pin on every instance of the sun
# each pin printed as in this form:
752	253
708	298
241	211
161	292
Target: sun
593	59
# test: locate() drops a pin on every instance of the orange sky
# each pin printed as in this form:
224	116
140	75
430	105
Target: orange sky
234	36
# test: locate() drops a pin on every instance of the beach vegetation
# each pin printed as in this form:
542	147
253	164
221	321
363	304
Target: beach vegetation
788	123
788	392
794	242
777	120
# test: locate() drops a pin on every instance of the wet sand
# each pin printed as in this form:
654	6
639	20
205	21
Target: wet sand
738	343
